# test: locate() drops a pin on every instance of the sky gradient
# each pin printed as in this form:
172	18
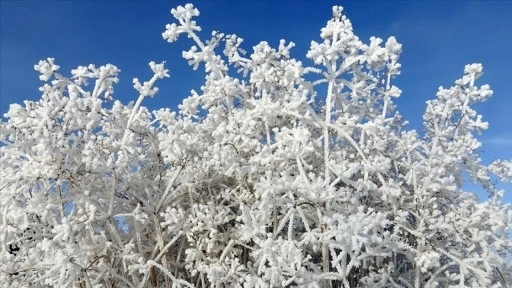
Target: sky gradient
438	37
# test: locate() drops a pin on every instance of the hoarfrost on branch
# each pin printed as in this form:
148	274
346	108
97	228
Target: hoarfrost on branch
261	179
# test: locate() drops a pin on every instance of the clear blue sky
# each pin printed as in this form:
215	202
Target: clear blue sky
438	37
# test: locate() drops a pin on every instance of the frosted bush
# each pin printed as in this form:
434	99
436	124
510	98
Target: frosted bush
260	179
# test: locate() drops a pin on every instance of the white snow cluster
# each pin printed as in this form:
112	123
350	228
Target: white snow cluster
275	174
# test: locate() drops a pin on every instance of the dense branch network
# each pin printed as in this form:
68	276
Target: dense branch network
263	178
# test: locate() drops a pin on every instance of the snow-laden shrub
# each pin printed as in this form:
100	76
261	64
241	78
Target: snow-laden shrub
275	174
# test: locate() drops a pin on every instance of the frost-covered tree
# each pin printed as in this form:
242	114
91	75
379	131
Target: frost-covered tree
274	174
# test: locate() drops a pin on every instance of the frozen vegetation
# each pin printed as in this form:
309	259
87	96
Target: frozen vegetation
276	173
